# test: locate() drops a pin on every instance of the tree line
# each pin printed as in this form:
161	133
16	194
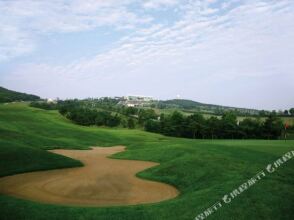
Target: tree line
227	127
106	112
87	116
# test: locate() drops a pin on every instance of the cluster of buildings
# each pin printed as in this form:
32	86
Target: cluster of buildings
135	101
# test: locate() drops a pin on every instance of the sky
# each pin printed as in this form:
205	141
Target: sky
228	52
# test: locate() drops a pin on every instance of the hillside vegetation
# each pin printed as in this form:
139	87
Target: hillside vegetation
203	170
106	112
7	95
193	105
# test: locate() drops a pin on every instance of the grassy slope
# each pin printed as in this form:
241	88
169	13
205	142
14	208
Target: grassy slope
203	171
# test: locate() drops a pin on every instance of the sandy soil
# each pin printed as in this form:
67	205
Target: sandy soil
101	182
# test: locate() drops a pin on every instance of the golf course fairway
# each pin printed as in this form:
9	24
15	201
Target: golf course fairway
203	171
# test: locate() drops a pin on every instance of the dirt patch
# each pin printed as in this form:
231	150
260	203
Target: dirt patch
101	182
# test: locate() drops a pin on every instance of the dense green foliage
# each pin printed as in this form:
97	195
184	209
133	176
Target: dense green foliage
227	127
198	106
182	103
44	105
86	116
12	96
106	112
100	112
291	111
203	170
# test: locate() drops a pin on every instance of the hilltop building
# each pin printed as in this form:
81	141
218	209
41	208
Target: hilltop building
136	100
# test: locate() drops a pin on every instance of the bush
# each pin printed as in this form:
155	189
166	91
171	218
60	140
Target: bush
44	105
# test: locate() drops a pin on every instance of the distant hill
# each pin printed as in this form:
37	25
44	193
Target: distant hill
193	105
7	95
182	103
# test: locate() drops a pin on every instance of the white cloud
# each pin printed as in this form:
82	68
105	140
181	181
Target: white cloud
68	16
22	21
14	42
159	4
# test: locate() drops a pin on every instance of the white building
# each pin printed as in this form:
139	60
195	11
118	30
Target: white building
138	98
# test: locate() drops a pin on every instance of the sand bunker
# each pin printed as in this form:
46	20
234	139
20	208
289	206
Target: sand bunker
101	182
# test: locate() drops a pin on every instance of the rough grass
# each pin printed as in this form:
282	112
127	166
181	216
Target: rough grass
203	170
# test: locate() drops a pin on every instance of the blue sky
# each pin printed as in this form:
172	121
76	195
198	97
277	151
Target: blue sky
229	52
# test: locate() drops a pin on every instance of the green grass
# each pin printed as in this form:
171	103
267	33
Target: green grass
203	170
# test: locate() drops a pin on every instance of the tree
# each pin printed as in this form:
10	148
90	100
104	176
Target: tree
146	114
175	124
131	123
291	110
152	125
229	125
130	111
262	113
101	118
44	105
250	128
195	126
124	123
113	121
213	127
272	127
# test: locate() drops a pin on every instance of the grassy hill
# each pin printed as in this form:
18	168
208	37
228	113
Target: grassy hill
193	105
7	95
203	170
183	103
